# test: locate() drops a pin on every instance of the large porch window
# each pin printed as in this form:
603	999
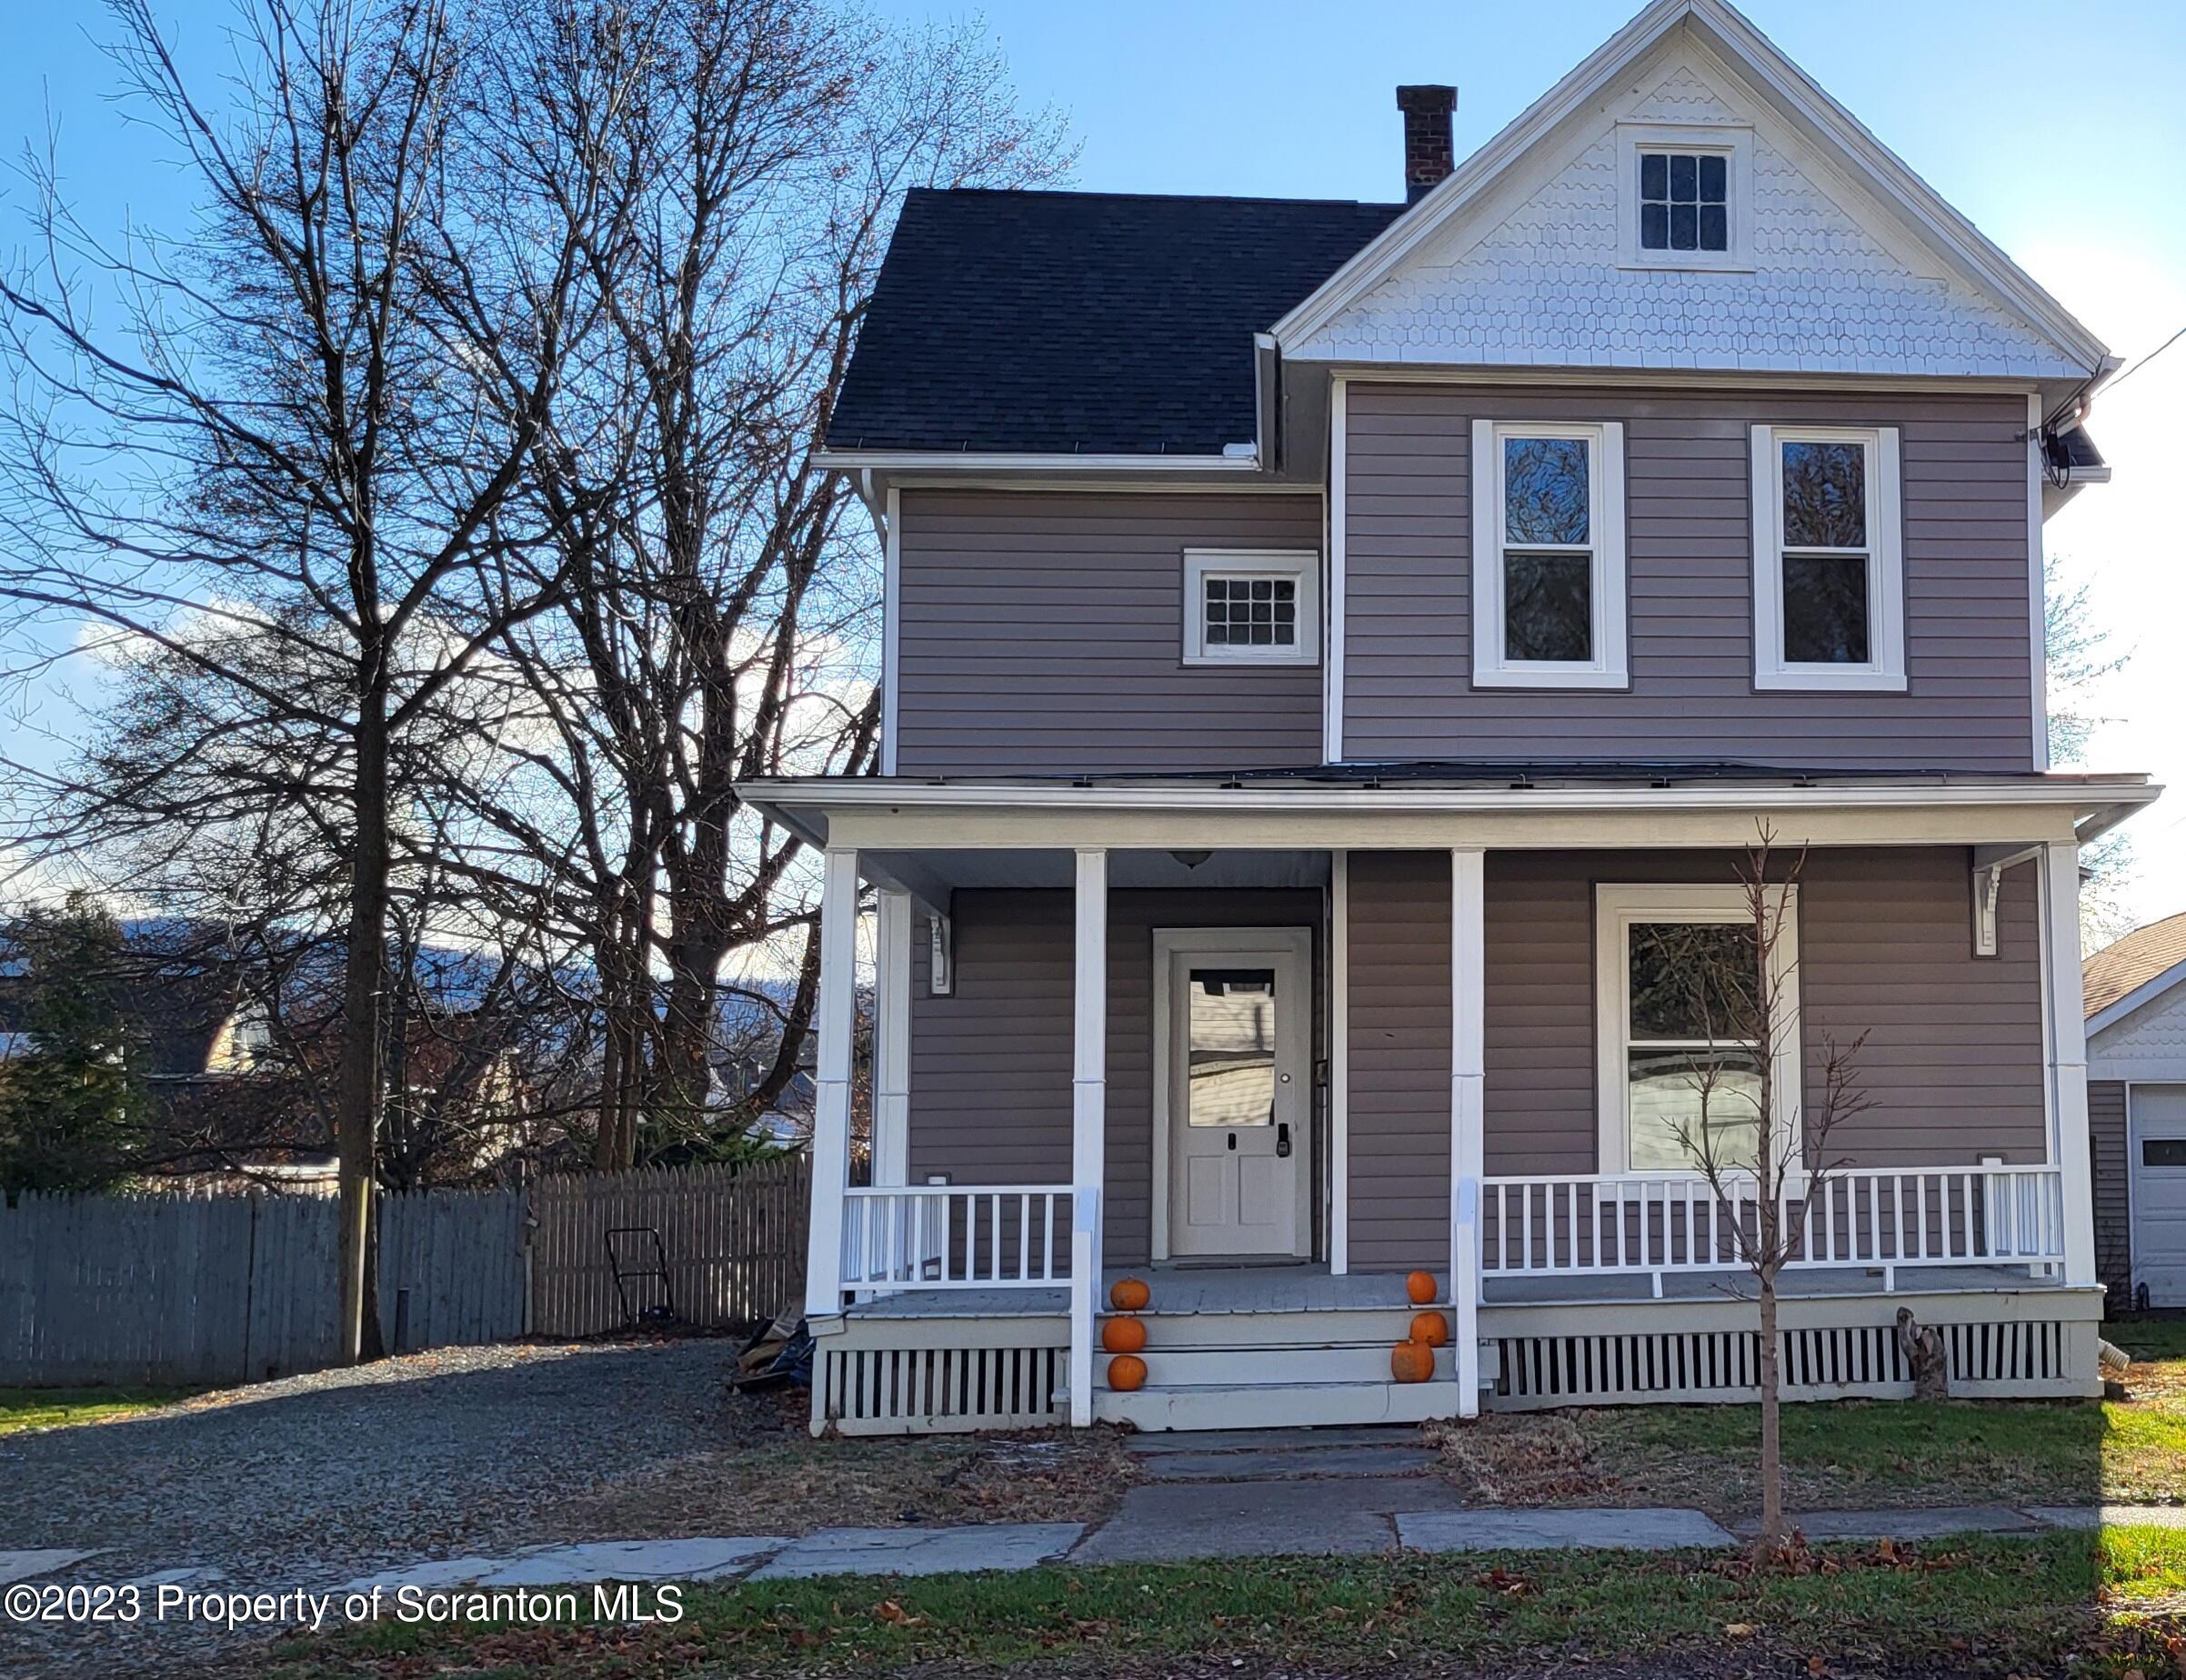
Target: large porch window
1680	1057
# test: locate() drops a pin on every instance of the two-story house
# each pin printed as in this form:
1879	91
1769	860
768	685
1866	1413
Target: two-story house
1337	656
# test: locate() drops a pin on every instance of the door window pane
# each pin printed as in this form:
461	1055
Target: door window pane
1232	1048
1548	606
1825	609
1545	495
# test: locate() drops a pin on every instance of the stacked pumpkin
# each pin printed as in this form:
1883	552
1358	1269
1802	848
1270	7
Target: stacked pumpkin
1412	1360
1123	1333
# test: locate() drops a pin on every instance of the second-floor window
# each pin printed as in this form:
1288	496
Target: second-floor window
1829	591
1251	608
1548	541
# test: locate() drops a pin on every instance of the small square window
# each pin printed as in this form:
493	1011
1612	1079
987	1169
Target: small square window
1247	607
1684	202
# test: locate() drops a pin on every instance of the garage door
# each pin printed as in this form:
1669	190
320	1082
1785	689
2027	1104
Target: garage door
2159	1123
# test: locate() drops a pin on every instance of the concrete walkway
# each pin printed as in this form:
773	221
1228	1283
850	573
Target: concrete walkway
1337	1492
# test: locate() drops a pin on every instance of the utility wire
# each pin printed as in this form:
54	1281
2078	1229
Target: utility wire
2145	360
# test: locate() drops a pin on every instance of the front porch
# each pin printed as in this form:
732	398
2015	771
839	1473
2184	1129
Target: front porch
1033	1123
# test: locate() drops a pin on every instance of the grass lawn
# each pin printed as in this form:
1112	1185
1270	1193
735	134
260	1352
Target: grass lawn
1979	1606
56	1408
1852	1454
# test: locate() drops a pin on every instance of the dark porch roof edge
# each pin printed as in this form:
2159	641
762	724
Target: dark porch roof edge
1515	771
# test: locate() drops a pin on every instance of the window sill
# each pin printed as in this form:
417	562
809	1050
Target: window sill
1684	264
1826	679
1550	677
1252	662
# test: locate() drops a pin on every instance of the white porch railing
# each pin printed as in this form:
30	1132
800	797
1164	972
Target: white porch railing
1586	1226
956	1236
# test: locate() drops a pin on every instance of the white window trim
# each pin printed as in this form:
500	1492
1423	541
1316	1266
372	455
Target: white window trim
1301	564
1610	667
1616	909
1885	671
1731	142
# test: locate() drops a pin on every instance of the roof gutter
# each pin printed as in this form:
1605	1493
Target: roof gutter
994	460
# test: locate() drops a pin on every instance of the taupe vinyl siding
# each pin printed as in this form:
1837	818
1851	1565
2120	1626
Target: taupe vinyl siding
1400	1049
990	1064
2112	1166
1408	560
1952	1064
1043	632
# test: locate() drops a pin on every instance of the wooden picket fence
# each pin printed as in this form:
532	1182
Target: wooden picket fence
219	1286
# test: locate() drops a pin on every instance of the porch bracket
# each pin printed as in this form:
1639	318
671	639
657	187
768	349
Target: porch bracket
1467	1096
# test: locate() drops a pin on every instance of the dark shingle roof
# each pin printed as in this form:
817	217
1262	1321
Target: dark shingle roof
2129	963
1089	322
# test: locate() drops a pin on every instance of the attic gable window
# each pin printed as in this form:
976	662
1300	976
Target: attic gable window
1684	196
1684	201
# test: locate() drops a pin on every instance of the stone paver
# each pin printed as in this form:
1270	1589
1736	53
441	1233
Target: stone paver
594	1560
2108	1516
1297	1461
1267	1519
1927	1523
1491	1531
22	1565
922	1551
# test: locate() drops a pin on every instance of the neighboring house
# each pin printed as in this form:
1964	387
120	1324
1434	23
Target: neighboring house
1321	640
2136	1069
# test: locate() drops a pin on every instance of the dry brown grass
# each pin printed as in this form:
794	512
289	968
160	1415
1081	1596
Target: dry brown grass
769	1476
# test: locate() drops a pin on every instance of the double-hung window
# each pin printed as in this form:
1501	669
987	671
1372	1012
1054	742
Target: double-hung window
1681	1048
1828	584
1548	555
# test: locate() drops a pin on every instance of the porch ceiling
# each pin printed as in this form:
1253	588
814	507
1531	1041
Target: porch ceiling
956	868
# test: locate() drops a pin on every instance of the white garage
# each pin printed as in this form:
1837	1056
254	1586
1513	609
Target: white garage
2136	1007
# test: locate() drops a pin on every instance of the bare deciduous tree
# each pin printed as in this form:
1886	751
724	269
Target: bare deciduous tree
1763	1152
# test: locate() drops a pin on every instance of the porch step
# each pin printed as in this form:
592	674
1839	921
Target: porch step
1279	1327
1275	1405
1262	1364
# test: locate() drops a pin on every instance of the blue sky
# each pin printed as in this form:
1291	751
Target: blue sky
2061	131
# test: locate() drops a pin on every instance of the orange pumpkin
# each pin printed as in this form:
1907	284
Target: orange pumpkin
1127	1372
1123	1336
1130	1295
1420	1287
1409	1362
1431	1328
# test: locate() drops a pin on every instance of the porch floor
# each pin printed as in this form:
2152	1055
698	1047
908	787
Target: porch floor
1303	1288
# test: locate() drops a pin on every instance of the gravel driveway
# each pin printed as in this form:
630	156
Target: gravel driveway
315	1480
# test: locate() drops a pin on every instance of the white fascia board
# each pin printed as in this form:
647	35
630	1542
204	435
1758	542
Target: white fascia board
1799	99
2146	993
993	814
992	461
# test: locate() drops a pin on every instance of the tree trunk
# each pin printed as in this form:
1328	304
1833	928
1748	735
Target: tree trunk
359	1079
1772	1452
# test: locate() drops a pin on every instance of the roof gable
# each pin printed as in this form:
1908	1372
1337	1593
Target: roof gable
2134	971
1855	265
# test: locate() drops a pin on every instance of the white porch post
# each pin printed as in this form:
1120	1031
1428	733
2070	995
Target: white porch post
837	1013
1467	1083
1088	1121
1339	1064
892	1040
2067	1056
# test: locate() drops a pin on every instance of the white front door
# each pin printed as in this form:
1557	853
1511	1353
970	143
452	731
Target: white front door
2158	1168
1236	1032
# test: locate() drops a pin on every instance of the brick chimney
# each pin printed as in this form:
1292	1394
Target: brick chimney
1429	153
